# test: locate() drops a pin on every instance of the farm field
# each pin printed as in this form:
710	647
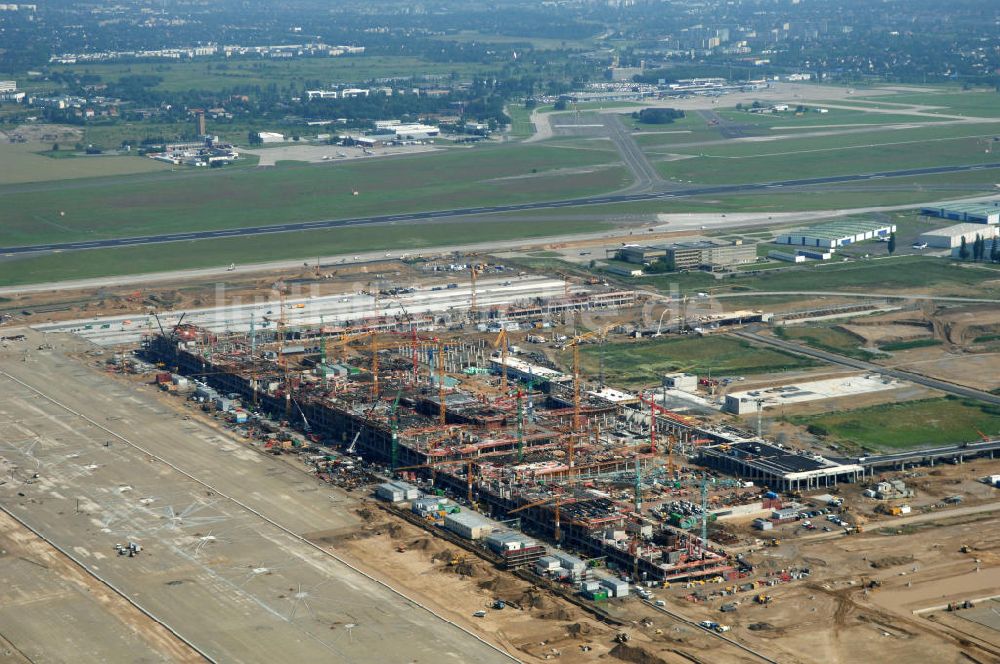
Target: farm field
927	422
459	178
645	362
306	245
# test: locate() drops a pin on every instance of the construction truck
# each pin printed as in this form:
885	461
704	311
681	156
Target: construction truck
773	542
762	599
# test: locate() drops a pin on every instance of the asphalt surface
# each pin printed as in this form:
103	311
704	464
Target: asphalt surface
833	358
647	178
461	212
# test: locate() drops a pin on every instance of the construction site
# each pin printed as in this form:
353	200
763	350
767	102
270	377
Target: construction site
457	410
479	460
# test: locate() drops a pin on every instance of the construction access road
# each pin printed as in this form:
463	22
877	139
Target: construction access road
88	462
834	358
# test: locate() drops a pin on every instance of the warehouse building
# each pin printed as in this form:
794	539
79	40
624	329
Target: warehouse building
469	525
691	255
971	213
836	234
951	237
779	468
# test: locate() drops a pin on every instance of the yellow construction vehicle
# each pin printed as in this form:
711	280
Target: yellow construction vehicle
762	599
773	542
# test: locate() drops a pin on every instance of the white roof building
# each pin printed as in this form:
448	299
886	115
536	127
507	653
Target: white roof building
950	237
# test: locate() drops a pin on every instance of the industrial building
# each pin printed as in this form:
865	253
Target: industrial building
836	234
748	402
691	255
681	381
987	212
786	257
778	468
951	237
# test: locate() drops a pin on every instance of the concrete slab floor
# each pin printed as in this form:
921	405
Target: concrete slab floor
89	462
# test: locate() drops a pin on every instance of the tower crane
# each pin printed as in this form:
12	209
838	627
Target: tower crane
503	344
556	503
575	343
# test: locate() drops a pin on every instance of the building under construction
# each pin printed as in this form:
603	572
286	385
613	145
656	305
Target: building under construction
425	406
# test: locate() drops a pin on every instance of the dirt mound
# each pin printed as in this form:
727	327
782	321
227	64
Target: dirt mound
891	561
635	655
466	568
421	544
501	586
555	613
815	562
578	629
447	555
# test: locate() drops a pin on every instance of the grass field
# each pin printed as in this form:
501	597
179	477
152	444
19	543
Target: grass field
812	120
645	362
220	75
25	162
521	125
910	424
825	337
537	43
907	345
305	245
905	273
979	103
484	175
837	155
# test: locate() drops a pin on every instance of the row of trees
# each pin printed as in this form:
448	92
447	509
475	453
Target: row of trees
980	250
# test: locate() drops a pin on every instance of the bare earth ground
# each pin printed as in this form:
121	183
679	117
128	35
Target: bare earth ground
980	370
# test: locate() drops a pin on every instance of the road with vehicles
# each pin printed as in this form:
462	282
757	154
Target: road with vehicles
390	219
834	358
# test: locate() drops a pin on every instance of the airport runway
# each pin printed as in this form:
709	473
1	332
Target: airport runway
461	212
